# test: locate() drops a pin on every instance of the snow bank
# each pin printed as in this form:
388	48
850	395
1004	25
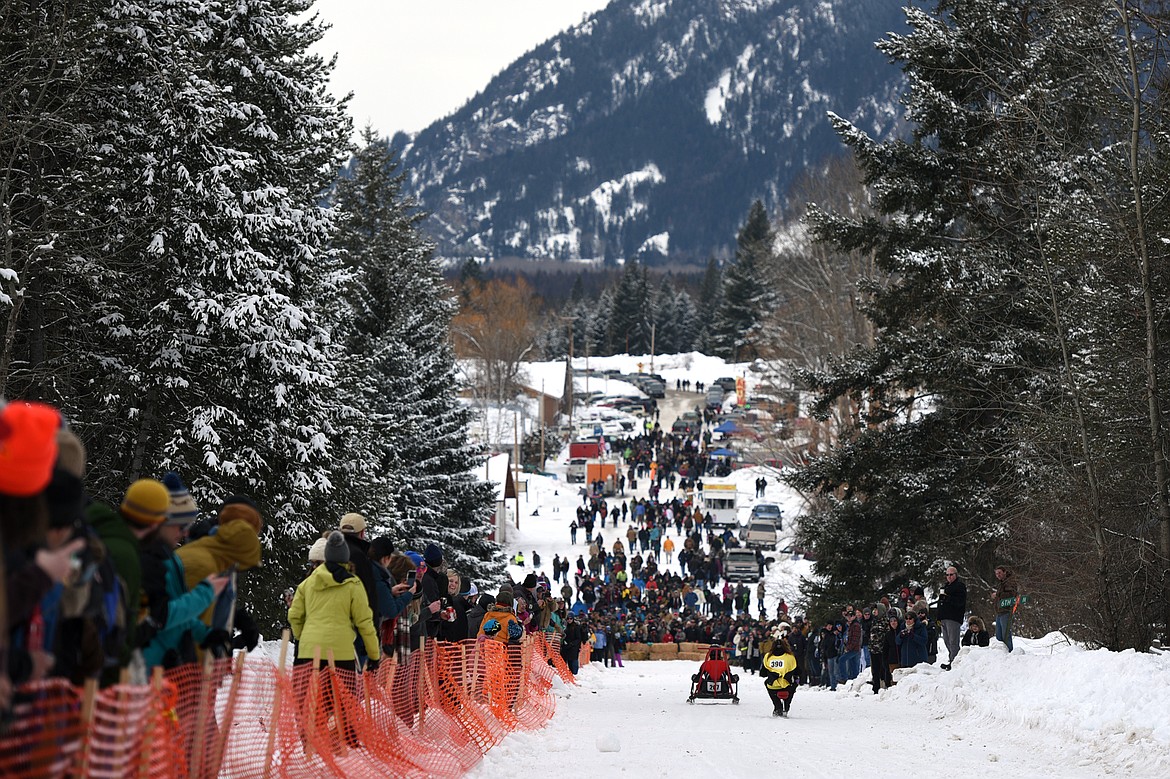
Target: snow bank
1107	706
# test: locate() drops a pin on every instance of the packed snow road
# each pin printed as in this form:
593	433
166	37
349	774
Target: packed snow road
635	721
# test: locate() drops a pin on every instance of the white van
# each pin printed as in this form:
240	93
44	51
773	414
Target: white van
577	471
721	501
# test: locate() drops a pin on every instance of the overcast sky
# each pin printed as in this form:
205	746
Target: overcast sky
410	62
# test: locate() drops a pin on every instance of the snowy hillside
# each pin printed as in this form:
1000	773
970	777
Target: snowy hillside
648	129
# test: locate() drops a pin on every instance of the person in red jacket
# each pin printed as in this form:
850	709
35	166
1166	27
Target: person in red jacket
850	661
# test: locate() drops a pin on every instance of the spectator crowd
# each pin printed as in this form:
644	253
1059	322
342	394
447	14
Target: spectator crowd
111	591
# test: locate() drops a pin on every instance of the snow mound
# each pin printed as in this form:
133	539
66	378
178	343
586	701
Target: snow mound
609	742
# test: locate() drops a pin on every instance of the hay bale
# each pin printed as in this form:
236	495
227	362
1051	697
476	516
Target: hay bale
640	654
660	650
635	646
697	656
692	646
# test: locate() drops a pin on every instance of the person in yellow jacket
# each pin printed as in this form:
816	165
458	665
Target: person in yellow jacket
779	672
235	542
328	607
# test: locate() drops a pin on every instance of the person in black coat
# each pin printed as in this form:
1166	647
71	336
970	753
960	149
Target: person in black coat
353	528
952	607
434	597
883	646
476	611
571	642
799	643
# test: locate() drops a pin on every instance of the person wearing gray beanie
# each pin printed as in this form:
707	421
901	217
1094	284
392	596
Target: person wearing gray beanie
336	549
328	608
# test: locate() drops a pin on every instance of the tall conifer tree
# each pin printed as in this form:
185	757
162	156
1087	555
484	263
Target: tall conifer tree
746	297
403	456
975	225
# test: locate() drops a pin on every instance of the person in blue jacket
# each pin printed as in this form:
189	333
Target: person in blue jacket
169	627
911	640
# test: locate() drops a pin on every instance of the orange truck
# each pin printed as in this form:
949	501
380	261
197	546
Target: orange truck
604	472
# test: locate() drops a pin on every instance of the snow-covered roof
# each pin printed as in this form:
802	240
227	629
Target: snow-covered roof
546	377
496	468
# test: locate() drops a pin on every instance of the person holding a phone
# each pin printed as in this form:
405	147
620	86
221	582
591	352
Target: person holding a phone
393	597
396	632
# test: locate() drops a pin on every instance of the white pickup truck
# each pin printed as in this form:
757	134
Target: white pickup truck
740	565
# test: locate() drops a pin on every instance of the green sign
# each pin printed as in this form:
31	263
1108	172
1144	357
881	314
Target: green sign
1007	602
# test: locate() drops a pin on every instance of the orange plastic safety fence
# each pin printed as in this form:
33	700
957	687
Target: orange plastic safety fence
134	732
537	704
550	647
46	733
433	716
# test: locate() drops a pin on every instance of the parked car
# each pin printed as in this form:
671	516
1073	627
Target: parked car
726	382
652	387
767	511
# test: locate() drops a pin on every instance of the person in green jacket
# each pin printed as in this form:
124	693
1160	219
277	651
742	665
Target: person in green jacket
143	509
328	607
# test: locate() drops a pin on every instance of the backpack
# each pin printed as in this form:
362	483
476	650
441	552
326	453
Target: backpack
93	617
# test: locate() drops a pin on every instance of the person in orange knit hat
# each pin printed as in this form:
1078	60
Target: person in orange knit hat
28	447
28	451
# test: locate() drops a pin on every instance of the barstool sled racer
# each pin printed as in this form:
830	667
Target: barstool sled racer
715	681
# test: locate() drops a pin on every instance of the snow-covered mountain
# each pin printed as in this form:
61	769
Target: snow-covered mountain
648	129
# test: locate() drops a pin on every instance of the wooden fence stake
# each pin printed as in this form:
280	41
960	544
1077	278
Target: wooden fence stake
274	720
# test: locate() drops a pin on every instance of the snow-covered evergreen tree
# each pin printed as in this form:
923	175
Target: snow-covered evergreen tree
710	299
993	393
189	234
221	348
686	321
595	327
664	308
746	298
628	329
403	456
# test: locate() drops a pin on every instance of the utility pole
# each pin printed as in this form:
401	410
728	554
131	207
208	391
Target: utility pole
569	374
516	462
542	425
653	327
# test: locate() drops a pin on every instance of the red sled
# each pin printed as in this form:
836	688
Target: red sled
715	681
